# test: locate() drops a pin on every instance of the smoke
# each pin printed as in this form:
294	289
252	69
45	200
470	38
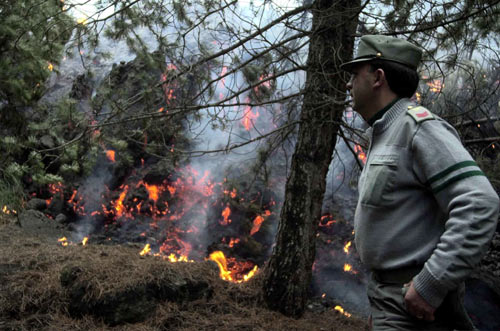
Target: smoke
93	190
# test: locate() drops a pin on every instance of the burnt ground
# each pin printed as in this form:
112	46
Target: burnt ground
45	286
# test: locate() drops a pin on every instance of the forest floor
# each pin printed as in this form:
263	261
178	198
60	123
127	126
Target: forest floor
45	286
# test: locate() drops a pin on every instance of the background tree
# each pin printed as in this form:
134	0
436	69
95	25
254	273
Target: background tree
249	71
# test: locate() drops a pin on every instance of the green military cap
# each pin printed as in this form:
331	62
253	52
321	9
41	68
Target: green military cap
373	47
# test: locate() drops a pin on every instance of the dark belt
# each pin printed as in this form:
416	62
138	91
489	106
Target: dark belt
396	276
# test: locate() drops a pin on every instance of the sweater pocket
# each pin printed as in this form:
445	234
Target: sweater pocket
380	179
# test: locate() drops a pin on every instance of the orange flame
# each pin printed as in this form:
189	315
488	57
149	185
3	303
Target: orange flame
327	219
361	153
248	117
118	204
8	211
257	222
435	85
346	247
348	268
342	311
110	154
419	97
233	242
85	240
225	214
145	250
227	274
153	191
63	241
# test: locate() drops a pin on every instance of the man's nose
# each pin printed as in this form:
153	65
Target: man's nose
349	84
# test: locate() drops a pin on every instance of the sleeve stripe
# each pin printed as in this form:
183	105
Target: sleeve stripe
457	178
449	170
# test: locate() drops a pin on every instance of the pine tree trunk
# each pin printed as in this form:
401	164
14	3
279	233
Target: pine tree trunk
288	274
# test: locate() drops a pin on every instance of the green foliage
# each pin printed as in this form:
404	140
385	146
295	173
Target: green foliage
32	36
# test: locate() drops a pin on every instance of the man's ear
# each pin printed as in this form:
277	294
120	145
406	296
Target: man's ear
379	78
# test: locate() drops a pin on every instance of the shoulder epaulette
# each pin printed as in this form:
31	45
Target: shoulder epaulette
419	113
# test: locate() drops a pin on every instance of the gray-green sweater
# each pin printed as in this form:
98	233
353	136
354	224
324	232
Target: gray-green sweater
423	201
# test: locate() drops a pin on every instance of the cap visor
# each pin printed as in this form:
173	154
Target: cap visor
348	66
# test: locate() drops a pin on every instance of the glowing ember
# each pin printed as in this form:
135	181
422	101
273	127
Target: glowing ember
85	240
257	222
153	191
110	154
145	250
172	258
233	242
232	274
348	268
248	118
435	85
342	311
225	214
266	84
63	241
361	154
8	211
346	247
118	204
418	96
326	221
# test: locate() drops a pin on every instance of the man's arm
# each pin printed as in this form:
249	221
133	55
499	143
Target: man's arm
465	195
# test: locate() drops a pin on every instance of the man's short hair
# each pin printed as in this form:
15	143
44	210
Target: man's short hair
402	80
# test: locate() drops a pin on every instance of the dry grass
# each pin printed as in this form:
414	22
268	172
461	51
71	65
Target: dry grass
33	298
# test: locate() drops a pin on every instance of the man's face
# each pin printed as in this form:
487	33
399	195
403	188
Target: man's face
361	88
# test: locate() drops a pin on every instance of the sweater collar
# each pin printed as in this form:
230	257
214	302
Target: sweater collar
388	117
378	115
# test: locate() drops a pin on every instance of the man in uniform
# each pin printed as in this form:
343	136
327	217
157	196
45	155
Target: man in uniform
426	212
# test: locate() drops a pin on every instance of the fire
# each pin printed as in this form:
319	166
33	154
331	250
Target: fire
118	204
419	97
248	116
183	258
192	193
348	268
361	154
145	250
435	85
233	242
266	84
225	214
153	191
326	221
347	246
110	154
50	66
232	274
63	241
257	222
342	311
169	89
8	211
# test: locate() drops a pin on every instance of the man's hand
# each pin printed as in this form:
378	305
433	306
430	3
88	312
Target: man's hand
417	306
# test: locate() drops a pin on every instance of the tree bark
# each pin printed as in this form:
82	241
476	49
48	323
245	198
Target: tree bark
289	271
